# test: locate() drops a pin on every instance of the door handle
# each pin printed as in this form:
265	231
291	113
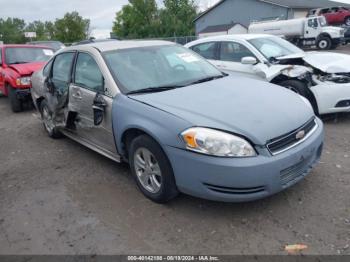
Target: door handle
77	95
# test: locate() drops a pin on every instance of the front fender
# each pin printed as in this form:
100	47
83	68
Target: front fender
162	126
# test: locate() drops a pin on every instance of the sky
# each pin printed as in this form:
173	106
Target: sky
100	12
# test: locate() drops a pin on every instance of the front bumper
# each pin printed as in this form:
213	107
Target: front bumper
244	179
23	94
329	95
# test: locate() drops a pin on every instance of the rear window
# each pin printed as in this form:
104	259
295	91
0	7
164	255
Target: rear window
22	55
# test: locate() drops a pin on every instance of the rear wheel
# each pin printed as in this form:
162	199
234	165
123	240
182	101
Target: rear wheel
16	104
48	122
324	43
152	170
301	89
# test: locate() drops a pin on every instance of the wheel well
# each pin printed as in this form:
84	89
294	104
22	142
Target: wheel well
38	102
324	35
311	95
279	79
127	137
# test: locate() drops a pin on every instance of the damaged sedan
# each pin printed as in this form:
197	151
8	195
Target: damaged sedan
180	123
322	77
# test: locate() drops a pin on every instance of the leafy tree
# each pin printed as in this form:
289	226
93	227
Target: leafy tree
12	30
72	27
39	28
138	19
143	19
177	17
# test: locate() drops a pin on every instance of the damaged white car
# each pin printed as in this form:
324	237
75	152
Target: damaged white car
322	77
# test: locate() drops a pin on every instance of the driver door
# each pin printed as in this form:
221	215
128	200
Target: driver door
87	83
230	57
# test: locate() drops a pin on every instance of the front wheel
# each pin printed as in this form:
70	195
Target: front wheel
152	170
301	89
48	121
16	104
324	43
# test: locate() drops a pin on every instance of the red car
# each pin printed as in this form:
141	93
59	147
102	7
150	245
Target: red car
17	64
334	15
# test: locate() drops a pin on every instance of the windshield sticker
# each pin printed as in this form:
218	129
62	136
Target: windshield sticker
48	52
189	58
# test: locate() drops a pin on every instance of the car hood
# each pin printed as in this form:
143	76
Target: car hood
27	68
328	62
255	109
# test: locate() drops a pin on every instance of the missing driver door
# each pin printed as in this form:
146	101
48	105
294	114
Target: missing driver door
88	82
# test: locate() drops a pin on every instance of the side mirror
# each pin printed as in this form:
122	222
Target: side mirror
99	109
249	60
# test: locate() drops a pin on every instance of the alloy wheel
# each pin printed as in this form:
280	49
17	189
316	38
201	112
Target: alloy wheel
47	119
147	170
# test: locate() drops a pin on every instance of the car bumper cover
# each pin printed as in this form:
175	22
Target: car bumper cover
244	179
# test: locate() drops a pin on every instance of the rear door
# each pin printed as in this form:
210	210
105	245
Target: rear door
208	51
87	83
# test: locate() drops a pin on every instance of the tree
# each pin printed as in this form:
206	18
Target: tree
39	28
71	28
138	19
12	30
177	17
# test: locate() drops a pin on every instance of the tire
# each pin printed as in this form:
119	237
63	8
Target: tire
154	178
16	104
46	117
347	21
301	89
324	43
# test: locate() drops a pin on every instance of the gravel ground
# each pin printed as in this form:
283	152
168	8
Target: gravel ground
58	197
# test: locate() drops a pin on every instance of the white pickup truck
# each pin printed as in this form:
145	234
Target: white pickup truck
311	31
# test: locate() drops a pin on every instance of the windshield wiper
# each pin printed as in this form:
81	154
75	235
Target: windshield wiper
207	79
154	89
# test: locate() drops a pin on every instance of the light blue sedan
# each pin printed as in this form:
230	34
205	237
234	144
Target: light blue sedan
182	125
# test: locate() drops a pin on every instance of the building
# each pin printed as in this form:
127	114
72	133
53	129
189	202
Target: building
226	29
244	12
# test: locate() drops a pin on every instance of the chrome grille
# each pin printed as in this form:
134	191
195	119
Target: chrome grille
287	141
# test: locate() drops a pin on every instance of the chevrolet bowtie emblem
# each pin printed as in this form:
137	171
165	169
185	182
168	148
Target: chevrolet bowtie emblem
300	135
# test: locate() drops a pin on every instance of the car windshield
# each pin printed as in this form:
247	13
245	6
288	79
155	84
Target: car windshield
21	55
153	67
274	47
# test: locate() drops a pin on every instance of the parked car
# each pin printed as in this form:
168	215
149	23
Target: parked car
182	125
334	15
321	77
303	32
17	63
55	45
93	40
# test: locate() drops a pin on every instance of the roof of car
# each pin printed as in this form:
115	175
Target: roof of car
114	45
229	37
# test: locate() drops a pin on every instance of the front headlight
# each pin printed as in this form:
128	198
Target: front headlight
216	143
23	81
